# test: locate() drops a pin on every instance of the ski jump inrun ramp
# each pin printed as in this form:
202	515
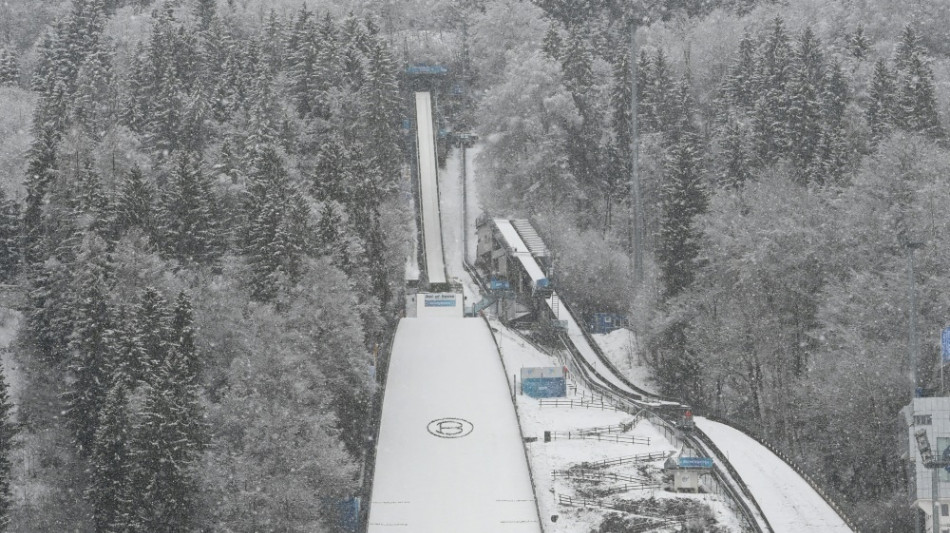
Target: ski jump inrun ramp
429	190
450	455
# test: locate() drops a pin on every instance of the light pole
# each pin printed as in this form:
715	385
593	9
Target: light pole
636	200
910	246
912	348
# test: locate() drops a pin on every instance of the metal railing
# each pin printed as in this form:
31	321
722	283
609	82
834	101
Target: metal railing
579	404
573	435
622	427
593	475
639	458
652	521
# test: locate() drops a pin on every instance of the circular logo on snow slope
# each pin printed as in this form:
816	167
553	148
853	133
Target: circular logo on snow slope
450	428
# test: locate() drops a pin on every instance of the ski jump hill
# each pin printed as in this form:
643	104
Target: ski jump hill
449	455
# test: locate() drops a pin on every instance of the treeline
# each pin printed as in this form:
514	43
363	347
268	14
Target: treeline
211	246
786	177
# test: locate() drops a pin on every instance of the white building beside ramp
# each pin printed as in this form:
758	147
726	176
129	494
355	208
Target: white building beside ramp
932	415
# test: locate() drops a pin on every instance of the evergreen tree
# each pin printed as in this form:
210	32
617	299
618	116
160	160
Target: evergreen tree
302	57
332	177
205	12
657	97
187	213
10	249
681	122
380	105
858	43
805	89
684	198
134	202
620	104
907	48
95	102
327	72
736	159
111	490
645	85
882	100
354	41
183	333
740	82
834	157
916	99
276	235
8	431
165	119
153	335
92	208
837	95
169	435
136	106
88	344
331	238
168	440
40	172
9	68
49	310
770	116
576	67
272	48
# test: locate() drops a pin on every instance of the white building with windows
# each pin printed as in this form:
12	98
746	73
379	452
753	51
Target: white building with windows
932	415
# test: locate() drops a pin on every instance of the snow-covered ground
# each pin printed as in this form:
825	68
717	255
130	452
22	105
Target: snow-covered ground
453	225
620	347
788	501
449	456
545	458
9	324
586	350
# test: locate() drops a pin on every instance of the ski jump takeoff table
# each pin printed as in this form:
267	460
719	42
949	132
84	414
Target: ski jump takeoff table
450	456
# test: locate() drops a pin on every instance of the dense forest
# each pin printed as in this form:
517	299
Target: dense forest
208	227
203	220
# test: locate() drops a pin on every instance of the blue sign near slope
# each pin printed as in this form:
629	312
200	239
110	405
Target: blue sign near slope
945	342
695	462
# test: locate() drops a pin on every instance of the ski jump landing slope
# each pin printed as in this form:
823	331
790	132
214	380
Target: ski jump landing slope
787	500
450	456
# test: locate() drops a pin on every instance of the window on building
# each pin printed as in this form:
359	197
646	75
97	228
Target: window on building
943	443
922	420
944	509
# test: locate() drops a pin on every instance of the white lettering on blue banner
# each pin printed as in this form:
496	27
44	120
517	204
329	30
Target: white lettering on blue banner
695	462
440	300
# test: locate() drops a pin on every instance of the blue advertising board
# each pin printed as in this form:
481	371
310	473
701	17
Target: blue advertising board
350	514
607	322
945	344
695	462
544	382
426	69
440	300
497	284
